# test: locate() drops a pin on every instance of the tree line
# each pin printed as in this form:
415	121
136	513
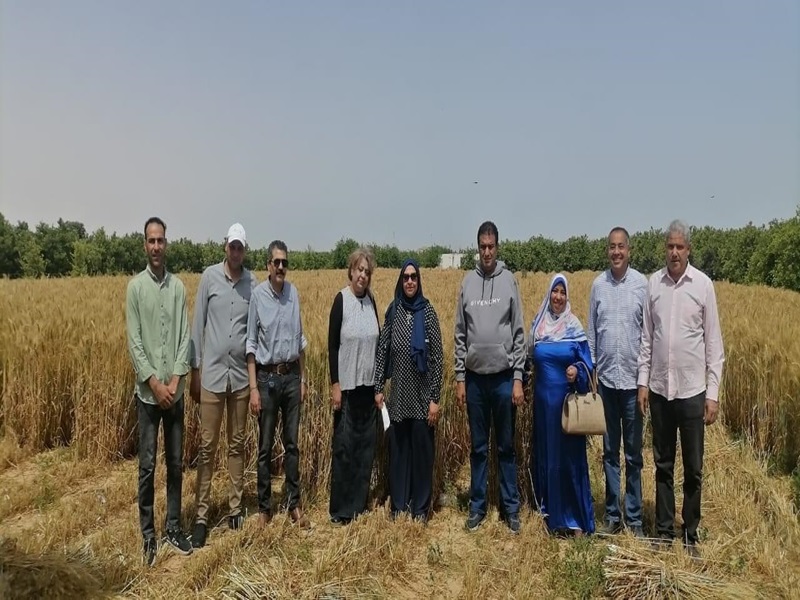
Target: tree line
766	254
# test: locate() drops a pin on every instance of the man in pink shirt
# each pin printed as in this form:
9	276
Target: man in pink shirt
680	369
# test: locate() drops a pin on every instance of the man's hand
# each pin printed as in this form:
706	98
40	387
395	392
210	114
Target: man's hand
194	386
303	391
433	413
572	373
173	385
255	401
336	396
379	400
160	392
517	395
163	395
461	393
642	399
711	411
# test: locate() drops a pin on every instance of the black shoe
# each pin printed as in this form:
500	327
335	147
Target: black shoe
692	551
514	524
474	521
421	518
339	521
637	531
150	549
661	543
611	528
199	535
235	522
178	541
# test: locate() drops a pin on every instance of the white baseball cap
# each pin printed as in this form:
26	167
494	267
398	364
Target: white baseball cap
236	233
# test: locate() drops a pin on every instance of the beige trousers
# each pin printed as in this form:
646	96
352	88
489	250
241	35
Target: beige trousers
212	406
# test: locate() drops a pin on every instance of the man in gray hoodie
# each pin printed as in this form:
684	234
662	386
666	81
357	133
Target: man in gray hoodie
489	360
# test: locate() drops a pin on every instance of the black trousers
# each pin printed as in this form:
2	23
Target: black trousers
278	393
411	453
684	415
353	452
150	416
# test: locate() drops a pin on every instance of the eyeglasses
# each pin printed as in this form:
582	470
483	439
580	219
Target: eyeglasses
280	262
409	276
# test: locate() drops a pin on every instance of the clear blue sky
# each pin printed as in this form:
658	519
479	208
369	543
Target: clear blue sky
316	121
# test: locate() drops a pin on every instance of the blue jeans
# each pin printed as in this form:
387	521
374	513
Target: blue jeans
489	403
622	419
279	393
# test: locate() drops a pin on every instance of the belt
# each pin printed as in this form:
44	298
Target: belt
279	368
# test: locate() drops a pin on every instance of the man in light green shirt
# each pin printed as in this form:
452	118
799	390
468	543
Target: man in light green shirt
157	323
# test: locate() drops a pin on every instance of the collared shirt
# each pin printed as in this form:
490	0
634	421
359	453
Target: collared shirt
157	323
681	353
219	329
274	330
615	327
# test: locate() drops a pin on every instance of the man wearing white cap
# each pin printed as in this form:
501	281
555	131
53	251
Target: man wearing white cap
219	374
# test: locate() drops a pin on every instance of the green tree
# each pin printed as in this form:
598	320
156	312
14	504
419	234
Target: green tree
87	258
430	256
31	258
342	251
56	244
647	251
9	252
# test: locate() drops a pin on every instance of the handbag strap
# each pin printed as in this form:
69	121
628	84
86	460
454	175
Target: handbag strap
592	377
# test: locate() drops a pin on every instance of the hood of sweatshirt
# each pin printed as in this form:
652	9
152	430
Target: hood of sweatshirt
488	278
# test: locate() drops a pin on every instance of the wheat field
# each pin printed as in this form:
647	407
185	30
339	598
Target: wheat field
68	516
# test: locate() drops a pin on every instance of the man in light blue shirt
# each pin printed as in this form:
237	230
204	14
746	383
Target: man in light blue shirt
275	351
616	306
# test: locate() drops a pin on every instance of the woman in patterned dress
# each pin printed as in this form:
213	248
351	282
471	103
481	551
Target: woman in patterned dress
410	355
352	343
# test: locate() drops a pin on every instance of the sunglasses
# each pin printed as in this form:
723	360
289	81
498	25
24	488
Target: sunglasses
409	276
280	262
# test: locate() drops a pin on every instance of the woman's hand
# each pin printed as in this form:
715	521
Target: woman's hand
433	413
572	373
379	400
336	396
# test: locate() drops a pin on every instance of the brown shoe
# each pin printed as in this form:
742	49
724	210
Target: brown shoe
299	518
264	518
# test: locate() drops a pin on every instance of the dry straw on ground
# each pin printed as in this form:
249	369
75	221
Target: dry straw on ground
67	381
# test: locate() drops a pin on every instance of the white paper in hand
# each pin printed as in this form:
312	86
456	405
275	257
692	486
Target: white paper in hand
385	415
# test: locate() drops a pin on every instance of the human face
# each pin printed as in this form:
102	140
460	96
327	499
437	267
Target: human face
155	245
677	254
234	254
277	272
558	298
360	276
619	251
487	248
410	281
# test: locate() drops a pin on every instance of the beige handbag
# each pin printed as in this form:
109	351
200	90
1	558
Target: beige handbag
583	414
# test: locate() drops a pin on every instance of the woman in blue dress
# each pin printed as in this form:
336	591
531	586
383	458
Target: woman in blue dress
559	465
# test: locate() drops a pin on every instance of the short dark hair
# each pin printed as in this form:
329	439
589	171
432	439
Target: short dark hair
280	245
488	228
620	230
157	221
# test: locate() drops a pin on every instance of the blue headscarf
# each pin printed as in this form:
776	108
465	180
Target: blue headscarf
416	306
